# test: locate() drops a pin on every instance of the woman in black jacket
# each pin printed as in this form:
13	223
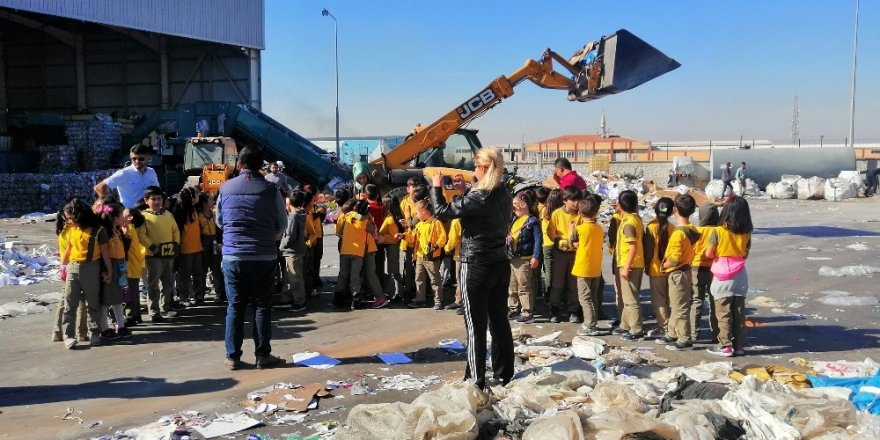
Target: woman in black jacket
485	212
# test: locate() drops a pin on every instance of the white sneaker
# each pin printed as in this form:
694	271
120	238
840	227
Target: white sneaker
69	343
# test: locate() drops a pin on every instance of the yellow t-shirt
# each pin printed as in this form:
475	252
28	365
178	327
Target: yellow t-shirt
354	235
728	244
453	239
159	229
515	230
560	228
588	257
655	266
207	225
74	242
115	246
371	241
546	241
388	230
700	258
136	254
680	251
429	232
313	229
629	235
408	210
191	237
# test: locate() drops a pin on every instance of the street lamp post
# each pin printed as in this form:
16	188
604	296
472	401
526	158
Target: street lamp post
327	13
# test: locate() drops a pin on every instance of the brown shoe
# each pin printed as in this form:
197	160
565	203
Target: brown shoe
269	361
57	337
233	364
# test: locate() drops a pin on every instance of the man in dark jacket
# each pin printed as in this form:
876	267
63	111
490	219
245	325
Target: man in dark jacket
251	213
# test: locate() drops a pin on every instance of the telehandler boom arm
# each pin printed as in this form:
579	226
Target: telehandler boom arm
609	65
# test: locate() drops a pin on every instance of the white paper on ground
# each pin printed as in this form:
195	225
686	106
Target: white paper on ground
226	424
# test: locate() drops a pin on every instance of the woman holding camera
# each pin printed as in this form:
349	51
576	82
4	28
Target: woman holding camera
485	212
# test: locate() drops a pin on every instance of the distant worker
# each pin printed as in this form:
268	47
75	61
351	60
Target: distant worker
565	176
741	176
873	179
726	178
131	181
278	178
252	215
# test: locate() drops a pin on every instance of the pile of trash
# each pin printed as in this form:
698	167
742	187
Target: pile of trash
845	186
28	192
20	265
588	390
715	188
96	141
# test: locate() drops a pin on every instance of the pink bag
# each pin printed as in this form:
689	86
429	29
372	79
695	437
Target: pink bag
725	268
63	273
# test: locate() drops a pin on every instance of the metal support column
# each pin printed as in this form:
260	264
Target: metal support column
80	73
2	75
163	73
256	80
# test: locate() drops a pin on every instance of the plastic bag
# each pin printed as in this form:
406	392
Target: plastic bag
811	189
447	413
565	425
586	347
614	424
784	190
715	188
613	395
837	189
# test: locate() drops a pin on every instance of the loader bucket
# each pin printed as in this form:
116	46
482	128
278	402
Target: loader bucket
621	61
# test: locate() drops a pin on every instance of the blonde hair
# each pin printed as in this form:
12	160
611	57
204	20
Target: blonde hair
492	159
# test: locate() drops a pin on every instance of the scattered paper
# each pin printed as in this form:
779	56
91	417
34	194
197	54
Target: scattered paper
226	424
315	360
395	358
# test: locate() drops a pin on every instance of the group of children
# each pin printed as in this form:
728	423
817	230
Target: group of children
393	249
686	265
555	233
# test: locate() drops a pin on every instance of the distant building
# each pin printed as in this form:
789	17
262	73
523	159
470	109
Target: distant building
581	147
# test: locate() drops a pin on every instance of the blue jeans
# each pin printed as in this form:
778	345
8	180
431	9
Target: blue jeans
248	281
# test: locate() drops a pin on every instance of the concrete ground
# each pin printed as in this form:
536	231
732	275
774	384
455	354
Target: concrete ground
177	365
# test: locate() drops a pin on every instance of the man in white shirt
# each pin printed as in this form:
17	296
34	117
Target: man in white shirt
131	181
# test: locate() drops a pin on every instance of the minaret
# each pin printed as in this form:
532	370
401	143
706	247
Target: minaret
603	128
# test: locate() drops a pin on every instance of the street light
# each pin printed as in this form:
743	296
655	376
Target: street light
326	13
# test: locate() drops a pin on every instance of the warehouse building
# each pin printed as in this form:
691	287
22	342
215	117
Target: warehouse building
127	58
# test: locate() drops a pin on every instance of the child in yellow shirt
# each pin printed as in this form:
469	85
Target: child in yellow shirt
701	273
84	245
114	222
135	262
677	263
429	237
563	292
656	238
630	259
391	231
161	238
524	245
587	267
189	259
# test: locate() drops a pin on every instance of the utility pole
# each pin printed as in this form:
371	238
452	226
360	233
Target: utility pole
852	108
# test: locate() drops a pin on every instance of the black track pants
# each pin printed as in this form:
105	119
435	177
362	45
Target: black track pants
484	293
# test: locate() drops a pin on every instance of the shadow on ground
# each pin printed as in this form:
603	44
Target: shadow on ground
119	388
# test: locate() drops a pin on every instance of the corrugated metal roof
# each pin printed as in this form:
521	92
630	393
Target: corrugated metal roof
235	22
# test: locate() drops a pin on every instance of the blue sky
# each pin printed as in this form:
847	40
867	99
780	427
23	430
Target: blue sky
403	62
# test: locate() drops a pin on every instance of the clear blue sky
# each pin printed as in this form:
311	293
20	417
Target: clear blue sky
403	62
